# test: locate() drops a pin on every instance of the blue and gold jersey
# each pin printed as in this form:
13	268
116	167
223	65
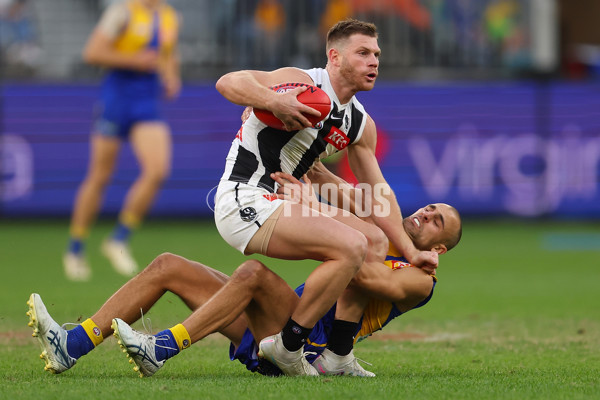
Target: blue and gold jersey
144	29
379	313
130	96
148	29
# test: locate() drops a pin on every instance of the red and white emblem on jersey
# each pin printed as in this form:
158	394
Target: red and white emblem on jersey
270	196
337	138
239	133
397	264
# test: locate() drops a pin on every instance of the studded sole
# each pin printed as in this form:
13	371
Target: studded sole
36	333
116	334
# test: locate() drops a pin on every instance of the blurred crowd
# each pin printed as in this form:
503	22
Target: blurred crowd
20	51
219	35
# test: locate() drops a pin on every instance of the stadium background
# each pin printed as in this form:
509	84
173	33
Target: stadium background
489	105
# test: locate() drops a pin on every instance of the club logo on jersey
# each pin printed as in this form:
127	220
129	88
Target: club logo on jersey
248	214
337	138
397	264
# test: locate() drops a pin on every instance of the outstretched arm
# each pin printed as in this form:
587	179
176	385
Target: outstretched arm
381	201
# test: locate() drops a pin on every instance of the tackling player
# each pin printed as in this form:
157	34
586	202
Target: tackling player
252	220
251	305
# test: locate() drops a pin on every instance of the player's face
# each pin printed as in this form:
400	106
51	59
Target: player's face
360	62
432	225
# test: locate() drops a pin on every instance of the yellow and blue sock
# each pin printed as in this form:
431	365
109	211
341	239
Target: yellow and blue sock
127	223
172	341
83	338
77	240
76	246
121	233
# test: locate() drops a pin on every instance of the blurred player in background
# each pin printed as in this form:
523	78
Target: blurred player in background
250	305
251	220
136	41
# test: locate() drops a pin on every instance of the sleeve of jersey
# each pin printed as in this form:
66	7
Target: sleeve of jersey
113	20
363	123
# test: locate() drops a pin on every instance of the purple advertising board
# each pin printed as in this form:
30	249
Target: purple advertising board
517	148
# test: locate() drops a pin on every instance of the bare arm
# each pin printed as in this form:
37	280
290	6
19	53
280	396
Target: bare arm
252	88
338	192
381	201
405	287
169	70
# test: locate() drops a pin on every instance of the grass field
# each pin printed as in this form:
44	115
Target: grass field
516	315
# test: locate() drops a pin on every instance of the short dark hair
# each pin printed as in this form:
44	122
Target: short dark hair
348	27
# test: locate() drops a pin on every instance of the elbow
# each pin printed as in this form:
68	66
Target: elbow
223	84
89	57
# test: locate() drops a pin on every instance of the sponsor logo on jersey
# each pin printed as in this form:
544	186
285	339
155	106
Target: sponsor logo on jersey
270	196
337	138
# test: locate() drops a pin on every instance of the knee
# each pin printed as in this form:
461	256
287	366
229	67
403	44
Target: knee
164	266
378	244
98	179
157	175
356	250
250	272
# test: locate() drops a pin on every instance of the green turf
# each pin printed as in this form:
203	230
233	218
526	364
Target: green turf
516	315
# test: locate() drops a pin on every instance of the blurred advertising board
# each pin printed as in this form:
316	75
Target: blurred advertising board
506	148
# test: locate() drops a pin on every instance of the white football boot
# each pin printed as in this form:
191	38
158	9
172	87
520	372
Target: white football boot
76	267
51	336
291	363
120	257
329	363
139	347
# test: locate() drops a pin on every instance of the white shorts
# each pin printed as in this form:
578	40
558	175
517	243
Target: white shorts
240	210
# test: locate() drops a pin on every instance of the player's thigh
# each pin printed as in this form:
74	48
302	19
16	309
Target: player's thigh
103	156
378	241
301	233
273	302
152	145
194	282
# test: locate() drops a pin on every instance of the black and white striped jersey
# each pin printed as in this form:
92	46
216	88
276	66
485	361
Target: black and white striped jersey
259	150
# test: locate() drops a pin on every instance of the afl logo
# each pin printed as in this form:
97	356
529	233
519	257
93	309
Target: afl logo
248	214
96	331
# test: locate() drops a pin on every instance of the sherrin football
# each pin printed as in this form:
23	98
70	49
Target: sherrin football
313	97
